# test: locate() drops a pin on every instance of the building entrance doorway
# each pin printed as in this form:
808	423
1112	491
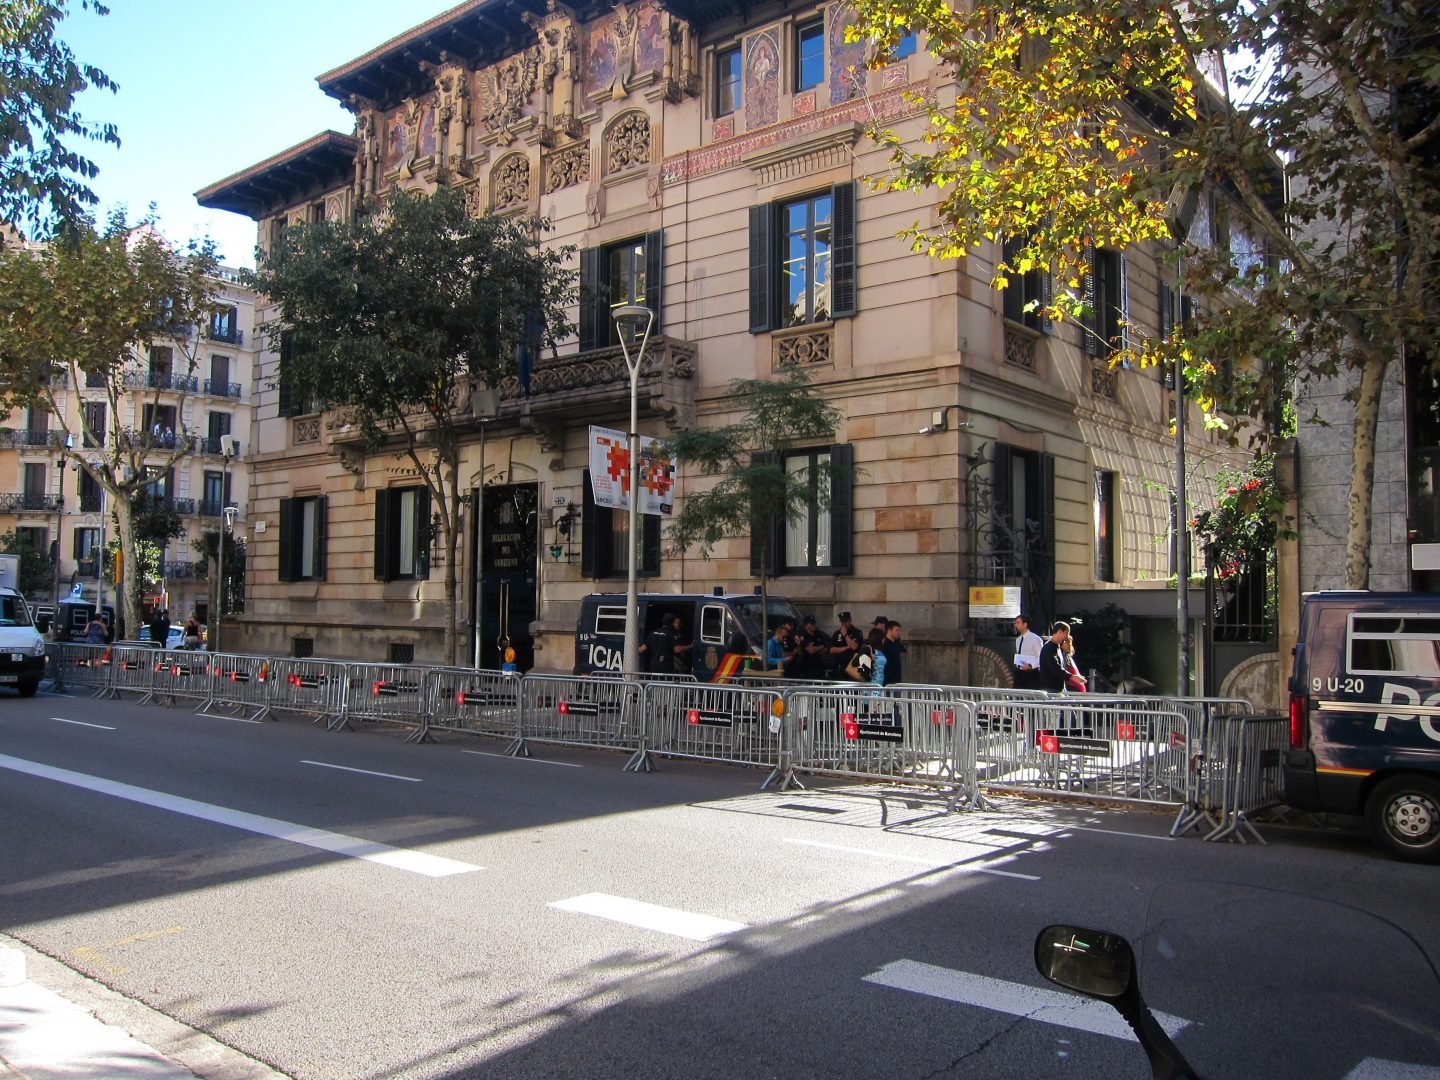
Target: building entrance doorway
507	541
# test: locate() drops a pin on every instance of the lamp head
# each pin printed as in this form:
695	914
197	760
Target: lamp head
633	321
231	513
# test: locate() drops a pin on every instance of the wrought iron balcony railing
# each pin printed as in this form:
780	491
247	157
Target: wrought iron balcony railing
221	388
15	501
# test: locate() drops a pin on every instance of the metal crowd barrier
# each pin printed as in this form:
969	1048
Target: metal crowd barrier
179	673
393	692
866	734
314	687
713	722
477	702
75	664
1221	766
239	684
132	671
1236	775
1095	748
567	711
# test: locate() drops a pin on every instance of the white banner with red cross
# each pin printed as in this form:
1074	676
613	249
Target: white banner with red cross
610	473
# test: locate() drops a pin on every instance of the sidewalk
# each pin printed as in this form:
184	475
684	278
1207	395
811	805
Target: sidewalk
59	1025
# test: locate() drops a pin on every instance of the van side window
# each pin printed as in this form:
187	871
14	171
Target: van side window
712	624
609	620
1395	645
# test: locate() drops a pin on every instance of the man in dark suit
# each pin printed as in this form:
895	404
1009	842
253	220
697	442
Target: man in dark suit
1053	669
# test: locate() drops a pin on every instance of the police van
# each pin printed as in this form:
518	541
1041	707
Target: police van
710	622
1365	716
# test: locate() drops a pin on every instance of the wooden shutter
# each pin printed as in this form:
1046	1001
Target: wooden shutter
654	276
382	535
421	525
842	485
844	290
1122	301
762	269
288	521
649	545
1090	321
1013	295
594	300
596	535
322	505
764	534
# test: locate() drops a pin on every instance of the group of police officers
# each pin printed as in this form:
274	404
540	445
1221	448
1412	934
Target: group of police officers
803	652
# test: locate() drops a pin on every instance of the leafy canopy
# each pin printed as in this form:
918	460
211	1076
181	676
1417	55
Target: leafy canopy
746	458
392	312
42	179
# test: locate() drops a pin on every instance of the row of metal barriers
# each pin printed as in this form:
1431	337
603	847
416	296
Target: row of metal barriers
1208	756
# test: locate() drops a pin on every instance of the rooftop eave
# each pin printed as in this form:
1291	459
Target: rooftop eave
319	164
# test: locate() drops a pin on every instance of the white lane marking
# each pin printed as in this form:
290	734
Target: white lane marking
931	863
665	920
363	772
417	862
81	723
1016	999
522	757
1115	832
1379	1069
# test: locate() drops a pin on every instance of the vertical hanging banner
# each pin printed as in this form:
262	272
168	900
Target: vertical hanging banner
610	473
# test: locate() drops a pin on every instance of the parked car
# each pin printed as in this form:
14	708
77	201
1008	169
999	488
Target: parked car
174	639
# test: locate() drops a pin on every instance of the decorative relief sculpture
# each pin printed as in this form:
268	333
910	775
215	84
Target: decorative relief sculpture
567	168
510	182
627	143
559	63
509	86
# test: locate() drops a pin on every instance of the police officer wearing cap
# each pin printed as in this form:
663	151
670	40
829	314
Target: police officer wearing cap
814	650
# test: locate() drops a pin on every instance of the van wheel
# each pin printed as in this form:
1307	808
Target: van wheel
1403	813
27	689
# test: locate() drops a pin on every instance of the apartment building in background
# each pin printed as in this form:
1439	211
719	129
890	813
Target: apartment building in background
711	163
198	384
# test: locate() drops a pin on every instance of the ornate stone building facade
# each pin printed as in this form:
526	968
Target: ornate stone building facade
713	166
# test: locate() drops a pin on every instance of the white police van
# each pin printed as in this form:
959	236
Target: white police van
710	622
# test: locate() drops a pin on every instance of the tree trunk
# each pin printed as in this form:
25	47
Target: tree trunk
452	539
130	564
1360	503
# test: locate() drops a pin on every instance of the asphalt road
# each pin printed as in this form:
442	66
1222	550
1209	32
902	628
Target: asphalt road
346	905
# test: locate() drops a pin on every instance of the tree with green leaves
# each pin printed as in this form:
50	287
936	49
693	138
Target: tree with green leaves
397	316
37	575
83	313
1095	123
42	178
750	490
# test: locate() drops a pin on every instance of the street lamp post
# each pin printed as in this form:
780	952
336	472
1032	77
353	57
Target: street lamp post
55	548
629	321
228	449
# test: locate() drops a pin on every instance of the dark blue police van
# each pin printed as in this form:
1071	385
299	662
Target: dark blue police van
710	622
1365	716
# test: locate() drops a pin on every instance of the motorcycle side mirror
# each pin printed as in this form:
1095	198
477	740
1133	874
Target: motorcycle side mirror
1092	962
1102	965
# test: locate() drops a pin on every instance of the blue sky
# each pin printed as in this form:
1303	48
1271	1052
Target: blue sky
210	88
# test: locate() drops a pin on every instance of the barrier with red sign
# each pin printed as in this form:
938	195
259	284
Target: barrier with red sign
568	711
83	666
313	687
866	734
714	722
132	671
390	692
1115	749
239	685
477	702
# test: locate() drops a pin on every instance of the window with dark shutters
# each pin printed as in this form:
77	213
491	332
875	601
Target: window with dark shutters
602	532
768	251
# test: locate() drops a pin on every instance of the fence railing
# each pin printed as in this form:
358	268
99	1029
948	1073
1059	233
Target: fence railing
1218	766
